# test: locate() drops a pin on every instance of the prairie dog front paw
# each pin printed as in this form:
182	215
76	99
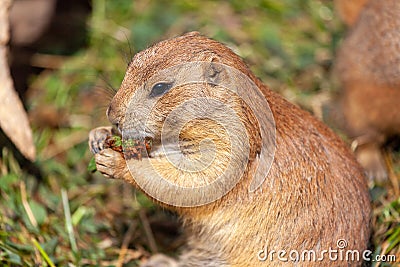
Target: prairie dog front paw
97	138
110	163
371	158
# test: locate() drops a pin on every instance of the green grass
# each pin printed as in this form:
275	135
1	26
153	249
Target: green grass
63	214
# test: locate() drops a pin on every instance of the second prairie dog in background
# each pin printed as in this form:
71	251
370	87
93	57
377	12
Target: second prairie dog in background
349	10
313	197
368	68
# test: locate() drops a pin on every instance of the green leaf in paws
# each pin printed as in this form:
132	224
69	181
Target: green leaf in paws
92	165
117	140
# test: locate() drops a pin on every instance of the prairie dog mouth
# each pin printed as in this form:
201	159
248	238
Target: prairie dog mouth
140	148
131	148
147	147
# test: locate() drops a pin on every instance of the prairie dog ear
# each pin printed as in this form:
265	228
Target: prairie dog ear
214	72
193	33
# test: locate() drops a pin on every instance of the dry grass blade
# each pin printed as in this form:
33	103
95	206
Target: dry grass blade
64	144
125	243
148	231
25	203
43	253
48	61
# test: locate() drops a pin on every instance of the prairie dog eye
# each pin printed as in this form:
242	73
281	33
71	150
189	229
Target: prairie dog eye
160	88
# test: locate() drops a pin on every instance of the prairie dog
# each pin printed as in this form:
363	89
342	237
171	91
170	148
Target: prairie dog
314	193
368	68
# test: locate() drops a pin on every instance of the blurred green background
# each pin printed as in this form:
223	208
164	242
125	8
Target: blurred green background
56	213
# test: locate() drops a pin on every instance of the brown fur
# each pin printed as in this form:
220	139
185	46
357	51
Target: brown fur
349	10
314	194
368	67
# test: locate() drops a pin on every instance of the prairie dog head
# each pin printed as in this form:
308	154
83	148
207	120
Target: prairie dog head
195	99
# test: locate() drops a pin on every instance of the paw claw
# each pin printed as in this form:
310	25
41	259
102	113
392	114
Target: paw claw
97	138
